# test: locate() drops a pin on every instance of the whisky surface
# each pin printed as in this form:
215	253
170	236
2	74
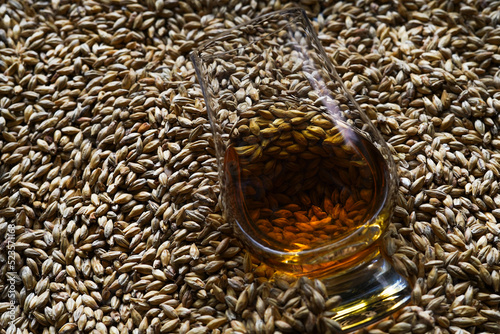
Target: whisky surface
300	197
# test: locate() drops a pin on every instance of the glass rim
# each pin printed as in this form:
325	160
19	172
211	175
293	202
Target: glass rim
298	12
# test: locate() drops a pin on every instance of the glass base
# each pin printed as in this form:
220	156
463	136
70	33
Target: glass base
370	292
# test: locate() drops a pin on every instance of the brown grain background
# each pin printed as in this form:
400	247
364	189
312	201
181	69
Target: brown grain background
107	167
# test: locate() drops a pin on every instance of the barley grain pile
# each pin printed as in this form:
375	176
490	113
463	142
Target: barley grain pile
108	172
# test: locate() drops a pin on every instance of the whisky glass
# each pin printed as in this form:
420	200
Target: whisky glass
307	181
